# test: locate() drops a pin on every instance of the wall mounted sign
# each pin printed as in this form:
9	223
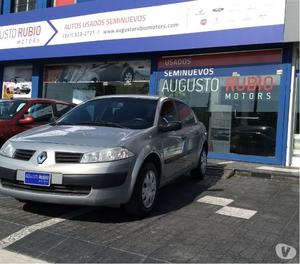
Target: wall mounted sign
199	76
17	82
177	20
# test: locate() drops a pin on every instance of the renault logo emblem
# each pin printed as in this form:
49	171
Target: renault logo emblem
42	157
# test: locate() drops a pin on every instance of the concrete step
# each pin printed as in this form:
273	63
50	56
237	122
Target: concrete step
231	168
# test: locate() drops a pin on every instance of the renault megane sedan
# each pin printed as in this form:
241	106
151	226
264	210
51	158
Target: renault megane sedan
112	150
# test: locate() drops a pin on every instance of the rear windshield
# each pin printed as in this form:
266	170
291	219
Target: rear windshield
132	113
8	109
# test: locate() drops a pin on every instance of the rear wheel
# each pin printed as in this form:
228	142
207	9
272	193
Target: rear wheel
145	191
26	201
200	170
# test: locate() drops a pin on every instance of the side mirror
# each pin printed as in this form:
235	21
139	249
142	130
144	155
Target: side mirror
26	120
169	126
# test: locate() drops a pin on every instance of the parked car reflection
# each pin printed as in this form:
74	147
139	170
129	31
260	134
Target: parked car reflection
251	140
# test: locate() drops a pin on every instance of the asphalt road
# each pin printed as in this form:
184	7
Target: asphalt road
240	219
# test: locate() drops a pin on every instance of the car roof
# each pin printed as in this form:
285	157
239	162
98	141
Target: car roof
138	96
153	97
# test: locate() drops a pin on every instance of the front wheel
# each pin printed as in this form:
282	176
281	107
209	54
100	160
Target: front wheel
145	191
200	170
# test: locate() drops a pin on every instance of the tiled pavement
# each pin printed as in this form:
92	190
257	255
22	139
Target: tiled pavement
179	230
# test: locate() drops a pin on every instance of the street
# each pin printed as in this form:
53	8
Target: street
240	219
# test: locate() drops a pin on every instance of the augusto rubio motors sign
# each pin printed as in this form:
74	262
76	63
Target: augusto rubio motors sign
197	75
204	80
189	17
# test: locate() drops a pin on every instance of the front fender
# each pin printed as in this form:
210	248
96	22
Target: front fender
202	141
144	153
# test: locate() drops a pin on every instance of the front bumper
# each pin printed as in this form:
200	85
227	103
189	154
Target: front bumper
100	184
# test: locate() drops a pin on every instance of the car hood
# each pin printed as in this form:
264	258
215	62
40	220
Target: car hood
78	135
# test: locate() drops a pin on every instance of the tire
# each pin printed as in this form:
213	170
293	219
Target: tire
144	193
200	170
25	201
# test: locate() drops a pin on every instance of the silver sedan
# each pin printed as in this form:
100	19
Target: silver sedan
112	150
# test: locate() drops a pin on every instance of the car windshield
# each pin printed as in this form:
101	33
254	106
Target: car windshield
132	113
8	109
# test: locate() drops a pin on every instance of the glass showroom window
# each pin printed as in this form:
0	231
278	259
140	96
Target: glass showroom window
79	82
24	5
238	105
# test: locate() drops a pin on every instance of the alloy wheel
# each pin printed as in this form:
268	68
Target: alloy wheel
149	189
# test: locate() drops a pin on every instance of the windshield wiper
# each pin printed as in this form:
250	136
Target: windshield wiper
101	123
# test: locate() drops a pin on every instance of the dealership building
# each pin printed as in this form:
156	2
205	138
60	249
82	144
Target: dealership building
236	63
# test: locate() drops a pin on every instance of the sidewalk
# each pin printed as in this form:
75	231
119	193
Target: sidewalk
12	257
235	168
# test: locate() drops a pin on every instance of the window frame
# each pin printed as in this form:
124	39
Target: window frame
56	111
16	4
161	108
184	123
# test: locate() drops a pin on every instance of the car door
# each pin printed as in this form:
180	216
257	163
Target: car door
190	133
171	142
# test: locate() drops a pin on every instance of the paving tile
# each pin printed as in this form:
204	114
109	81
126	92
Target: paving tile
153	260
236	212
215	200
25	251
39	242
7	228
110	255
206	257
175	252
77	251
73	250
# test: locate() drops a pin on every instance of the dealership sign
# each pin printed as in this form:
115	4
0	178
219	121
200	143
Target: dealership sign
189	17
209	74
235	88
25	35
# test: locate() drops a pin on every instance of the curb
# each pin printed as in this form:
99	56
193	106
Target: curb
271	175
227	172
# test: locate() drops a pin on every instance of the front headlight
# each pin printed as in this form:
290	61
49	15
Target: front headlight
105	155
7	150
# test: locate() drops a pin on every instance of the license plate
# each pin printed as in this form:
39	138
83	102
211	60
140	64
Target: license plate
35	178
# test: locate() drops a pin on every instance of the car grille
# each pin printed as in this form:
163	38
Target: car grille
23	154
54	189
67	157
